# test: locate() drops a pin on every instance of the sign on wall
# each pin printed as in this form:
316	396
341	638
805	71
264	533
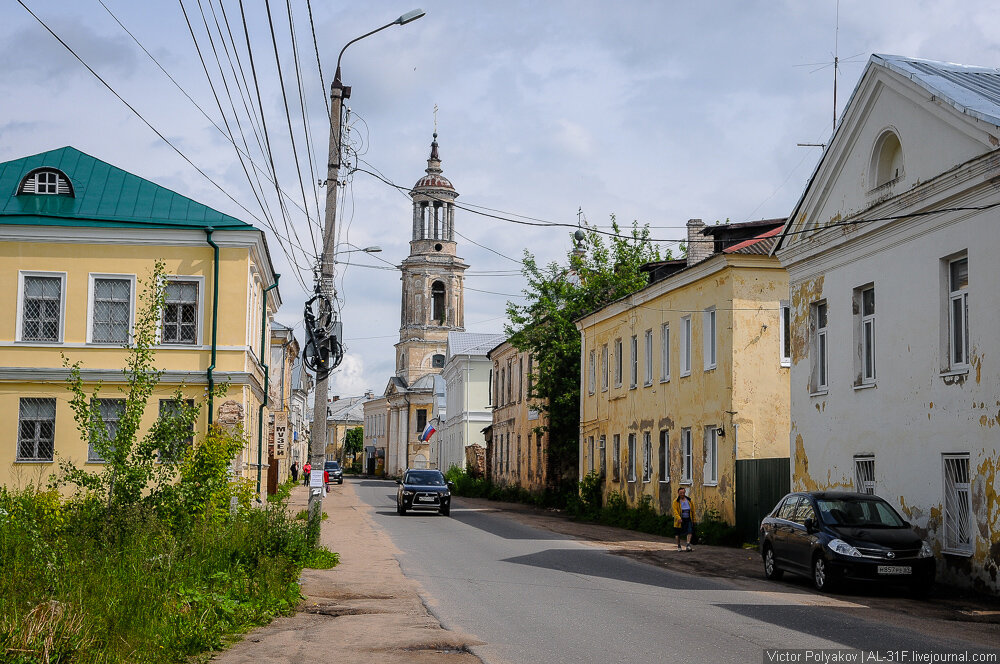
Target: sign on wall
280	435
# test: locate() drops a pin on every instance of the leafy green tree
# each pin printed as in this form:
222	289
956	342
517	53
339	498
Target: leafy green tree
354	440
601	269
137	467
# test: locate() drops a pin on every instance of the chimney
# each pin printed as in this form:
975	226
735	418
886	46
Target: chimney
699	247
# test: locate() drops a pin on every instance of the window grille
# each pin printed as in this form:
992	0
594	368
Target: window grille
172	445
42	304
957	504
36	426
180	320
46	182
112	298
864	474
111	411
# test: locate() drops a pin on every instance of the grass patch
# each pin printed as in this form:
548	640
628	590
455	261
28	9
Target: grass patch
303	515
80	583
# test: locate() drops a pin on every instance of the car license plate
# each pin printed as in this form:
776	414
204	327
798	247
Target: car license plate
426	499
895	569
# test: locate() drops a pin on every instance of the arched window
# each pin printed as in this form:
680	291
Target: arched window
437	361
887	160
437	302
46	181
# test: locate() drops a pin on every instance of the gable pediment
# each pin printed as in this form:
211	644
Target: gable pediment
896	135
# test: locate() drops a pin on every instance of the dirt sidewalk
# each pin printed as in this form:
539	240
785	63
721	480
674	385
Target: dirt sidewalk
363	610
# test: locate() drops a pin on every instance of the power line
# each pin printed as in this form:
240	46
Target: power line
319	65
137	113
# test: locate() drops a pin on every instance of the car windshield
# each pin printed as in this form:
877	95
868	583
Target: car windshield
332	465
859	513
425	478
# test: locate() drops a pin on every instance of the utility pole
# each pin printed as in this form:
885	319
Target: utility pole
327	352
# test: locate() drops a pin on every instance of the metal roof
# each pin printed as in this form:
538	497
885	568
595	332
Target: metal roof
105	195
472	343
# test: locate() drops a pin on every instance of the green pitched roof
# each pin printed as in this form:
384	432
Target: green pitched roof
104	196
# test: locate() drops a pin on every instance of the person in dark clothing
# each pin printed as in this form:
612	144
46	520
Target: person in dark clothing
295	471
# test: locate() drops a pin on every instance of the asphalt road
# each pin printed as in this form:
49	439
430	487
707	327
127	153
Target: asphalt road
538	597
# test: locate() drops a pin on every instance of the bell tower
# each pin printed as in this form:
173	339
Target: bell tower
433	277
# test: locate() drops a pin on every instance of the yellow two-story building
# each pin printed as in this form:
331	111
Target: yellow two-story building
77	238
690	374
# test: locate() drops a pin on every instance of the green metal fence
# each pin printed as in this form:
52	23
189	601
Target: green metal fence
760	484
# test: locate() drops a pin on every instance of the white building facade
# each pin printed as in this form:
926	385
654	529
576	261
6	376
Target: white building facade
894	308
467	371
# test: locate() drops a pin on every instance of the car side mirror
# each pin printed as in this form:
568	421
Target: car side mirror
810	525
451	485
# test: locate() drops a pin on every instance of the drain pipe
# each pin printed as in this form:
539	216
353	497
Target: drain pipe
215	323
267	380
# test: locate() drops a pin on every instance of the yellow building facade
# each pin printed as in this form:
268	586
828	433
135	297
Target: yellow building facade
77	239
517	451
682	378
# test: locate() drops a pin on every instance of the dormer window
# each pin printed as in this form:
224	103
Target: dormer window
887	160
47	182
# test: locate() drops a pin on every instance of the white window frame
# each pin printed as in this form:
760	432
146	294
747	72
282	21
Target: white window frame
616	461
200	332
957	496
92	455
634	362
91	303
632	461
960	296
864	473
619	351
710	473
590	453
664	456
604	368
21	274
820	379
649	358
785	325
647	457
687	459
685	346
602	442
710	338
17	438
864	337
591	373
665	353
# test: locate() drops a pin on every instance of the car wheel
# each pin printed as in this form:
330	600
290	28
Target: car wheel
400	510
340	481
771	570
821	575
446	511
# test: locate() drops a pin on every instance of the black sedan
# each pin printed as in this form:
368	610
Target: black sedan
831	536
334	472
423	490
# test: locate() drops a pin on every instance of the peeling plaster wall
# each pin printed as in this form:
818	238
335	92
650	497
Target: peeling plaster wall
515	421
747	387
917	409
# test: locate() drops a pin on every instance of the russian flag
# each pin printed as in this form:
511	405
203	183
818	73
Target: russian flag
428	432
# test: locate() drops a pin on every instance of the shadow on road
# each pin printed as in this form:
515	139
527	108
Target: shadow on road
501	526
600	563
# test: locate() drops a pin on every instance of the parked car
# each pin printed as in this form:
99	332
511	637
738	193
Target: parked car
830	536
336	473
423	490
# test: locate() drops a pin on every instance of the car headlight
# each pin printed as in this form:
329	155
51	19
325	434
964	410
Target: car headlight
446	494
843	548
407	493
925	550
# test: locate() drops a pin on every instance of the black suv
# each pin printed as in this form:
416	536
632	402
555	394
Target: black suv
335	471
423	490
835	535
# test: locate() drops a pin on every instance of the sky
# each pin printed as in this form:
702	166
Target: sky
556	111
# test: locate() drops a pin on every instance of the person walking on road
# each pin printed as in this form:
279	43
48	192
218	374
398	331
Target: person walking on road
305	473
683	518
294	470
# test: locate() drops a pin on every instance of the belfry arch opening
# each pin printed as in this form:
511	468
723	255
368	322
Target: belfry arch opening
437	302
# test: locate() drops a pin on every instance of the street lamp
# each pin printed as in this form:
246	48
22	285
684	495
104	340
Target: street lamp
367	250
325	288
